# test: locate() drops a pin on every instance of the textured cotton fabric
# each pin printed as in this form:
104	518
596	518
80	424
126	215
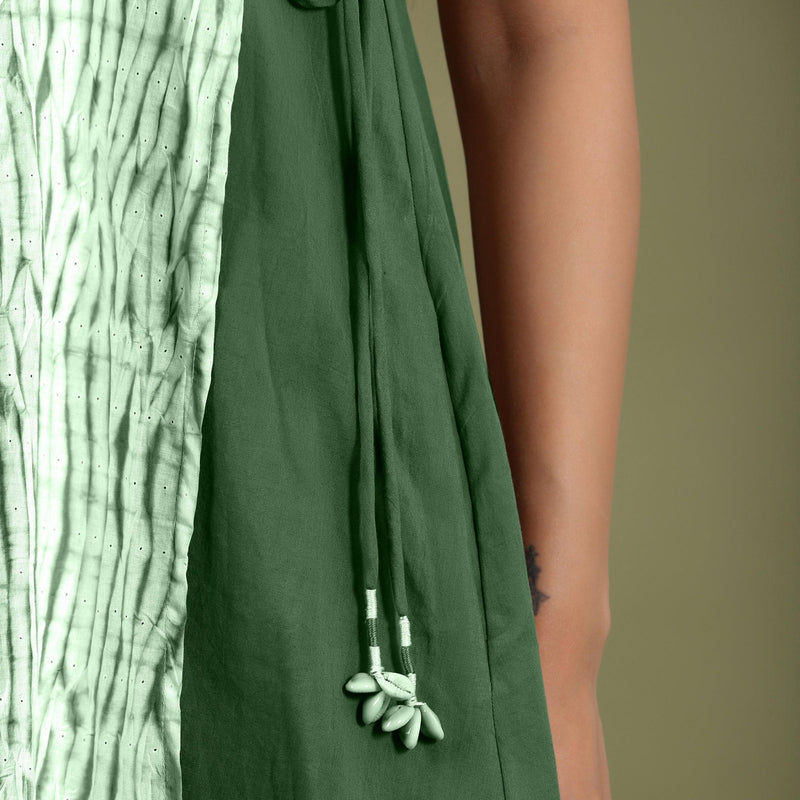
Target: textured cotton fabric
114	126
275	610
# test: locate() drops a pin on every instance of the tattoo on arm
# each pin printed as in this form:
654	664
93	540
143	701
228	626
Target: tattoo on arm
533	571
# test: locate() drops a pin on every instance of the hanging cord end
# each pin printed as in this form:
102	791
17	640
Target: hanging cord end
406	714
423	717
382	686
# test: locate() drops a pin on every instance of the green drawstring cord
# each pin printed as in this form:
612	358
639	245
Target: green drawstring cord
392	695
406	714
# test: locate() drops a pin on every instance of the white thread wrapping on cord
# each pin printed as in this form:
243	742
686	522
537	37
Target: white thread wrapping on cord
405	632
375	659
372	604
413	701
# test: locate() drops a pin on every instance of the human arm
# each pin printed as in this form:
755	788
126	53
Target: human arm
545	101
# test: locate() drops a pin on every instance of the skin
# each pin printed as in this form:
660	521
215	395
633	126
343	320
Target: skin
545	99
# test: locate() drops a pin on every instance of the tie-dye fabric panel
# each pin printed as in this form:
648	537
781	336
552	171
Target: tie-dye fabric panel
114	131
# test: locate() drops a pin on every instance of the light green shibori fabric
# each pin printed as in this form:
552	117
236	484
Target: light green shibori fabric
114	131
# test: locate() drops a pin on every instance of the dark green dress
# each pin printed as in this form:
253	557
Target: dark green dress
355	512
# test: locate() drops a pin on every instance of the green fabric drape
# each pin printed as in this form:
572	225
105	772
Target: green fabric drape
277	570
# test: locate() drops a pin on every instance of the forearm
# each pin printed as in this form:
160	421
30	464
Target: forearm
549	129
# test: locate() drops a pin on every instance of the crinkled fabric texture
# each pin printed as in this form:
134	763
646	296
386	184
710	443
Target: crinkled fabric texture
275	614
114	128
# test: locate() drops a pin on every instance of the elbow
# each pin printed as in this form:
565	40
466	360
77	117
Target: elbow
572	641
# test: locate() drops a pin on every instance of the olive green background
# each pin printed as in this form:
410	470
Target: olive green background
699	685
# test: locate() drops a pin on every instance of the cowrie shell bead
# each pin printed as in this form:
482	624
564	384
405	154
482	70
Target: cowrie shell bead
409	733
430	723
362	682
397	717
373	707
395	684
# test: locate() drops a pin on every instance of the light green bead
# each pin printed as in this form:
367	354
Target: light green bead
397	717
409	733
362	683
430	723
396	685
373	707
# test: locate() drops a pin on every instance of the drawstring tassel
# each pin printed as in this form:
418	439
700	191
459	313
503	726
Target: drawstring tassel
406	714
391	696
